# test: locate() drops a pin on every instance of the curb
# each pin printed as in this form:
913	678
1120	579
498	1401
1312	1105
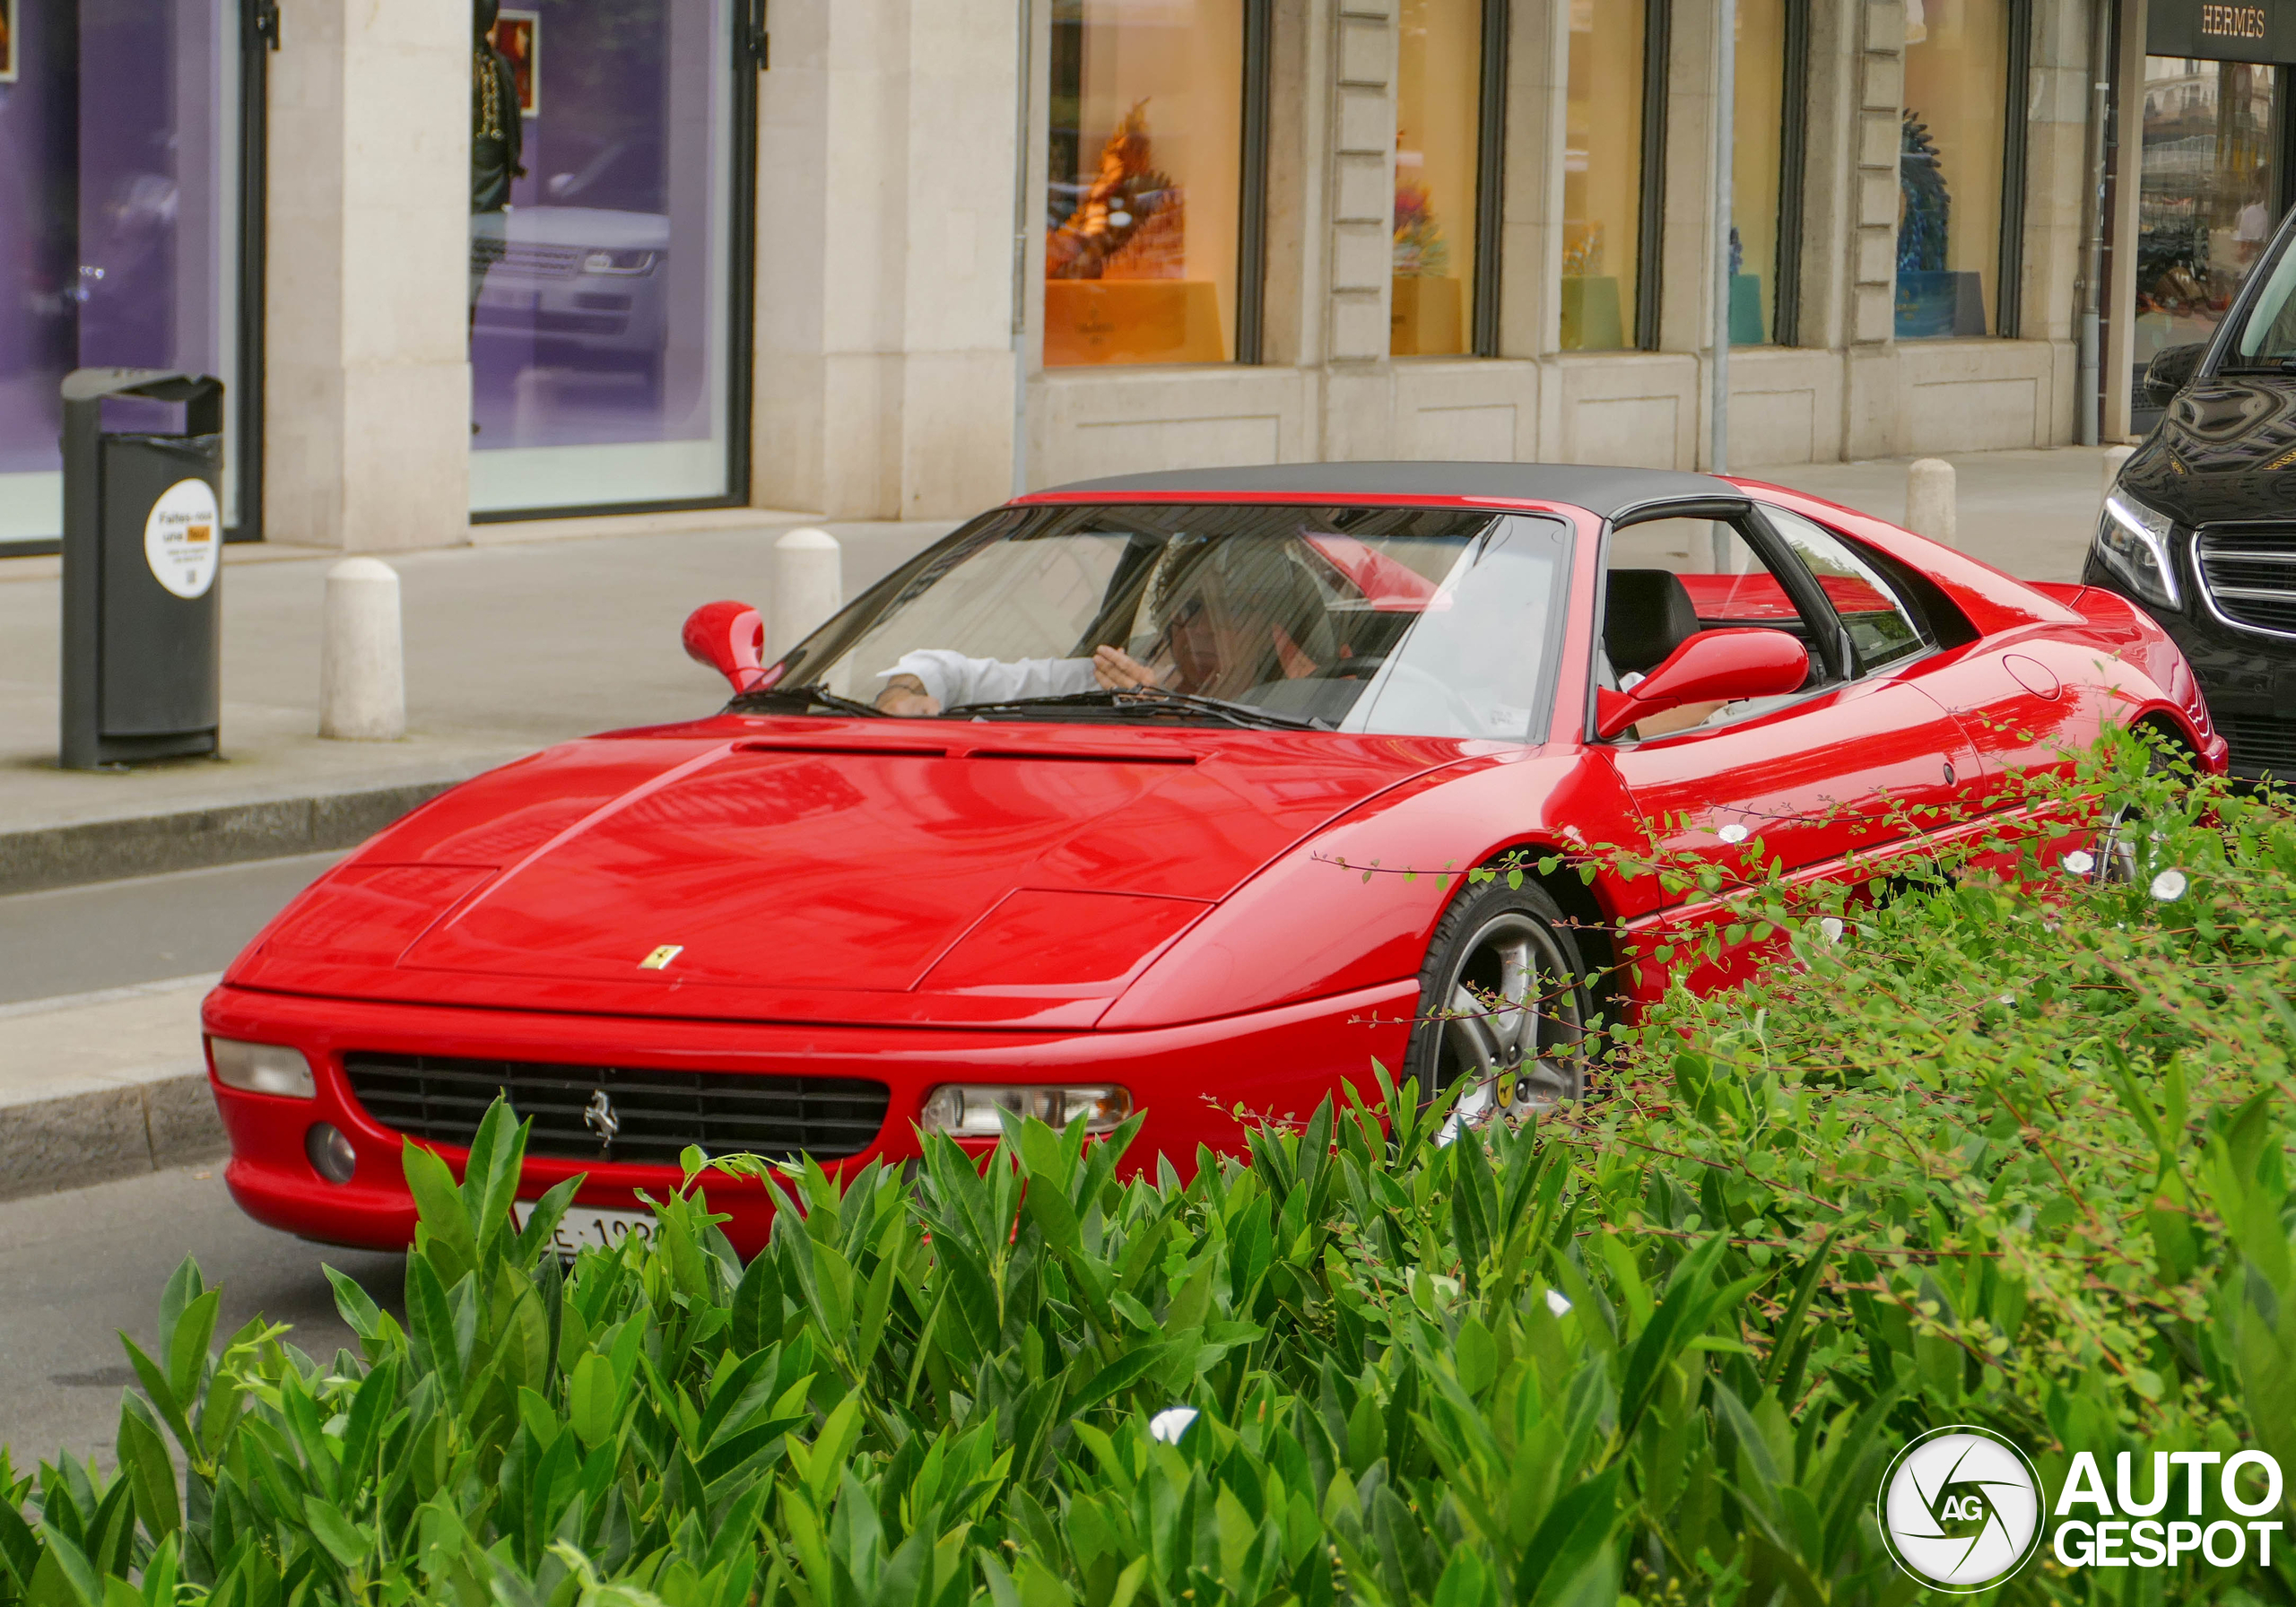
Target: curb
109	1122
108	1133
52	856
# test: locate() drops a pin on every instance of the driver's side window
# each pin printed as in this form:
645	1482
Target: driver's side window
1665	580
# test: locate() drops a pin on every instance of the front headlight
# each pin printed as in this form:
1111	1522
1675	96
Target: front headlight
262	1068
2133	542
970	1110
618	262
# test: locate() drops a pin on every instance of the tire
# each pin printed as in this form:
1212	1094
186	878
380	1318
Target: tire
1501	943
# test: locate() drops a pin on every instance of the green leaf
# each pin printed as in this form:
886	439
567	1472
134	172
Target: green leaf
593	1400
332	1530
145	1462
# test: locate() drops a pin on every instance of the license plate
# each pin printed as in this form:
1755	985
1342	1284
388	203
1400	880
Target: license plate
588	1227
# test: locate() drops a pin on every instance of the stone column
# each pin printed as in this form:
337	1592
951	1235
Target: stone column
1871	423
367	404
884	365
1357	404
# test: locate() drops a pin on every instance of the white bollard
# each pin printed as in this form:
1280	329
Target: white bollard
2109	469
808	587
1930	498
362	665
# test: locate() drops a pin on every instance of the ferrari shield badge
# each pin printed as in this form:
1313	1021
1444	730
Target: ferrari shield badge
659	960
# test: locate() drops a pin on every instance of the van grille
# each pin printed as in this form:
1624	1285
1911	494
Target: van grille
2261	743
526	257
659	1113
2250	573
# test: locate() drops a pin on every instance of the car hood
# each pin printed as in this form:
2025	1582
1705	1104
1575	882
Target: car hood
2225	449
813	874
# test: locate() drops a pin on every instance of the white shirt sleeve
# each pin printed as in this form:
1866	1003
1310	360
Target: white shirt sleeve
951	677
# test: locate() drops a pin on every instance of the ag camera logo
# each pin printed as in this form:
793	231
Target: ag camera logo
1961	1508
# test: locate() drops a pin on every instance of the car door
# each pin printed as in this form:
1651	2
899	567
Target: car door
1821	782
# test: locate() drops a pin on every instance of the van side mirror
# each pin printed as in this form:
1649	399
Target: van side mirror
2171	371
730	639
1714	666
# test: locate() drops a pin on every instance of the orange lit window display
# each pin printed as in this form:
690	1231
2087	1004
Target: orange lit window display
1437	100
1145	167
1602	175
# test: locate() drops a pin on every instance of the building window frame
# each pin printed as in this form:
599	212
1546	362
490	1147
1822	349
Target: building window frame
1793	162
1251	187
257	30
1490	176
2008	298
1649	267
748	52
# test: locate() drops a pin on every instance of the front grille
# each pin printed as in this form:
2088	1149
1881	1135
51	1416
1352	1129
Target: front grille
440	1099
524	256
2250	573
2260	743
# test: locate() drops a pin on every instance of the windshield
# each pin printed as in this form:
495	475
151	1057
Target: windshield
1424	621
2270	329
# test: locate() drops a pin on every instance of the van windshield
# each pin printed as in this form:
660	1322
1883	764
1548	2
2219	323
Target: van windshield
1436	622
2269	332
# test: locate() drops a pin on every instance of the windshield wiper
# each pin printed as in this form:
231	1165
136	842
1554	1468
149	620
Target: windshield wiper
810	695
1157	699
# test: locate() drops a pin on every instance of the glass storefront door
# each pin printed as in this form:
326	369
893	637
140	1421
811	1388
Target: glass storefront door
601	328
119	220
2209	193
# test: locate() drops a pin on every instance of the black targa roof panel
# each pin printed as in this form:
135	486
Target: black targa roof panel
1599	490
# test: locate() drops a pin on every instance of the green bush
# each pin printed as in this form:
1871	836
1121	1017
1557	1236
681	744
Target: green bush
2011	1154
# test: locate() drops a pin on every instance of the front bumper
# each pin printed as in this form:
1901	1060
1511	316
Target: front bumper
1188	1082
2249	678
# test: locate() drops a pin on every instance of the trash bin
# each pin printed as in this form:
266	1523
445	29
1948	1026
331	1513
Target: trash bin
142	552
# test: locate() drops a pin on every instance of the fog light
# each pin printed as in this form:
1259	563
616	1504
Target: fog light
969	1109
262	1068
332	1156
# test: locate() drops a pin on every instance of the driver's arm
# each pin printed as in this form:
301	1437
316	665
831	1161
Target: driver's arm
932	679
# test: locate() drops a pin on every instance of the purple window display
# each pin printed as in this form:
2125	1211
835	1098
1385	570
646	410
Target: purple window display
118	206
599	327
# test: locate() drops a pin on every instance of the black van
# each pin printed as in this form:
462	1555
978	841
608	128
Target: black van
2200	528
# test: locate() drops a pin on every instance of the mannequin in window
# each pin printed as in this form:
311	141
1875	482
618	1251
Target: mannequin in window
496	135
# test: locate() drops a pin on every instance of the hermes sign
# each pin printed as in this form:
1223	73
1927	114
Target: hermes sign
2262	31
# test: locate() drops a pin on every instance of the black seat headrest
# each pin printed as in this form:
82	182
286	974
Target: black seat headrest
1647	614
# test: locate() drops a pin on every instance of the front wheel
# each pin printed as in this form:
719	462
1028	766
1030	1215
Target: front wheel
1505	1005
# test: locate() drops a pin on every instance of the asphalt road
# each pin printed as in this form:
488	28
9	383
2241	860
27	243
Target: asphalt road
78	940
82	1266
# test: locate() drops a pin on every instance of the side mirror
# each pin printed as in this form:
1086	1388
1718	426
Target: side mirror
730	639
2169	371
1714	666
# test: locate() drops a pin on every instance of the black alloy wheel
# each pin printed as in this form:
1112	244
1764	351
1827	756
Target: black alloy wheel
1505	1006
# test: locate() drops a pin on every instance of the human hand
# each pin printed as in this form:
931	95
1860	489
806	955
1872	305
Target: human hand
1118	671
905	695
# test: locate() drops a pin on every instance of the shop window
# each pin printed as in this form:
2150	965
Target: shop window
1765	165
1146	226
1441	140
1612	123
1954	152
122	233
605	332
2208	196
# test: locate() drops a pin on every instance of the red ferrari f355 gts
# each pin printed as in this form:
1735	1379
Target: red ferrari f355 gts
1069	814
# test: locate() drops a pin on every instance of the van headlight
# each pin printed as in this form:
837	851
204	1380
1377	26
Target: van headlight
2133	542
